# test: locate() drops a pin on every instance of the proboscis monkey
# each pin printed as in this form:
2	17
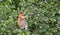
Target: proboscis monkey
22	22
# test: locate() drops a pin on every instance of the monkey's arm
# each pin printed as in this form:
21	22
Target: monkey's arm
24	16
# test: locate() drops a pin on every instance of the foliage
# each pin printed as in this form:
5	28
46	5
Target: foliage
43	19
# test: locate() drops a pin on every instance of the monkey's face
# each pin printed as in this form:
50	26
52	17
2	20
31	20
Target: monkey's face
21	13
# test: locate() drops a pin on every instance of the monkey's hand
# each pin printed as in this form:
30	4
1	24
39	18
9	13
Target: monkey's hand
26	16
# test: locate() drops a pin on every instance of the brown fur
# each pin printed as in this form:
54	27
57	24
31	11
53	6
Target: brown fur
21	21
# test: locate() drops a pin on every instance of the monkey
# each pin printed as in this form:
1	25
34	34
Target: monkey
22	23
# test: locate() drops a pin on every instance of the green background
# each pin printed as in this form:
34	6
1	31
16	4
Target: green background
43	19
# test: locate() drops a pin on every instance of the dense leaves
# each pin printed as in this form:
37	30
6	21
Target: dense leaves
43	19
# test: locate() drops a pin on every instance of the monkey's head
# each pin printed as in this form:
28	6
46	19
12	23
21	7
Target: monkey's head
21	13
